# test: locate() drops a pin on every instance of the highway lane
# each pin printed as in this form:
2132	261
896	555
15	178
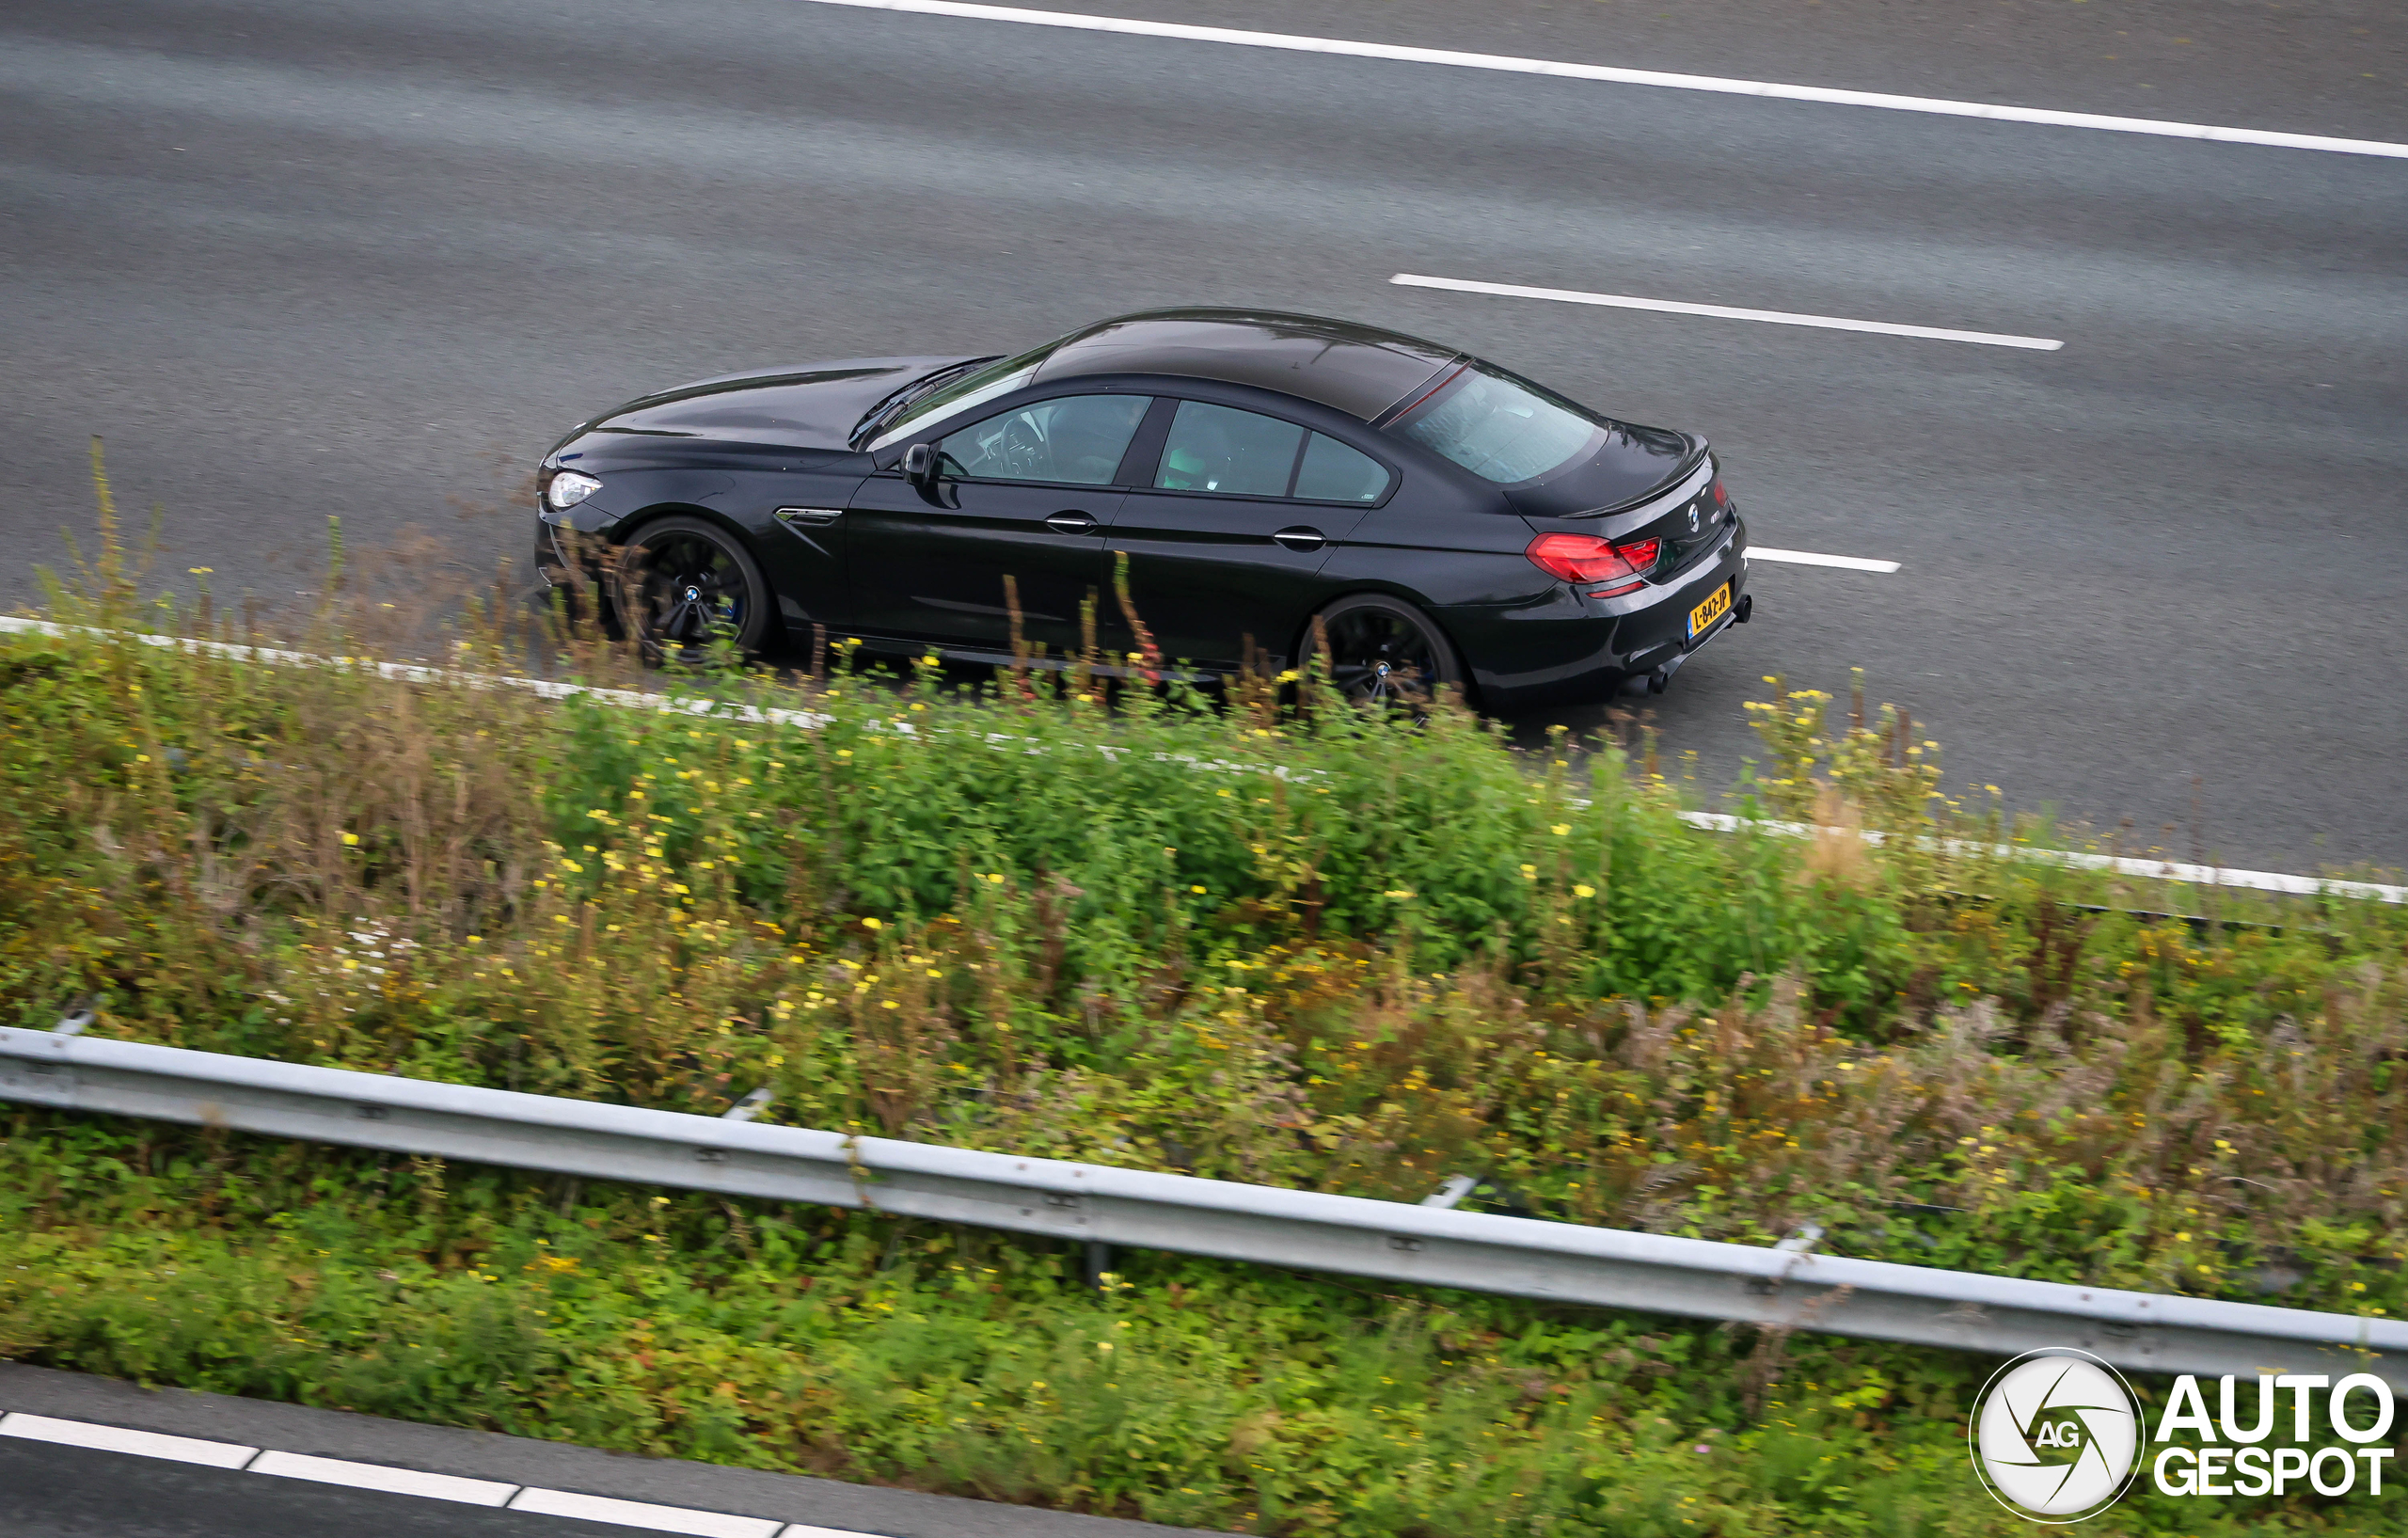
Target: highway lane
52	1492
350	257
2335	67
48	1490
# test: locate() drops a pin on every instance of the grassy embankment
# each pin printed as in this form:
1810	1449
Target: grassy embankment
1295	945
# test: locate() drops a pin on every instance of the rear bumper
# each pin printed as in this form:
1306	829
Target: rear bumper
1572	649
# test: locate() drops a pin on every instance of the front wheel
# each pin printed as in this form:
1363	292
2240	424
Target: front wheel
1384	651
685	581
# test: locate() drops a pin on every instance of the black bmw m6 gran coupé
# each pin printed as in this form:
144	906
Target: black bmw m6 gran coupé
1275	482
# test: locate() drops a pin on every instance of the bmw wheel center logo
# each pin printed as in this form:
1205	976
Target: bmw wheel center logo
2056	1436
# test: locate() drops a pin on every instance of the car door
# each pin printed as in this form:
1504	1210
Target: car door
1026	493
1227	543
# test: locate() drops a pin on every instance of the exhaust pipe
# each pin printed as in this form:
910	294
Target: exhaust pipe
1661	679
1655	682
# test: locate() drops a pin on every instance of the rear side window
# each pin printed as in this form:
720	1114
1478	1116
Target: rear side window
1078	439
1238	453
1499	427
1332	472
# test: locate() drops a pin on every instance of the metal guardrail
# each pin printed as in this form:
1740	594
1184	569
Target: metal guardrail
1556	1263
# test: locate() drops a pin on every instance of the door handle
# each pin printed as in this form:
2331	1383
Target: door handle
1071	522
814	517
1299	538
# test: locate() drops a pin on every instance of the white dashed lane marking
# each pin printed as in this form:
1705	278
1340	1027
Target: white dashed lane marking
1808	558
1560	70
398	1481
1725	313
142	1444
642	1514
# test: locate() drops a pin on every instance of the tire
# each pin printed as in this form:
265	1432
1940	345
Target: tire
684	582
1384	651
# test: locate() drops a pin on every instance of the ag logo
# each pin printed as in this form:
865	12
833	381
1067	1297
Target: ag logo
2056	1436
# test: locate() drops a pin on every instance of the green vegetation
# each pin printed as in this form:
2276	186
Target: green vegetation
1273	939
1187	1392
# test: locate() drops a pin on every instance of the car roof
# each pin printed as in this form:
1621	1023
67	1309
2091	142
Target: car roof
1360	369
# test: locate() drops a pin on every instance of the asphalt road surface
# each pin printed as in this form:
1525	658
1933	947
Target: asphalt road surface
48	1490
369	257
54	1492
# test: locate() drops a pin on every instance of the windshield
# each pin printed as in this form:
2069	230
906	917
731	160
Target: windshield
998	378
893	401
1499	427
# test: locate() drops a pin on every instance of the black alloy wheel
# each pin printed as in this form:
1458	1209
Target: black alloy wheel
685	582
1384	651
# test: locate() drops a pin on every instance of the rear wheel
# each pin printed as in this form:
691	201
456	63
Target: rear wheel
685	581
1384	651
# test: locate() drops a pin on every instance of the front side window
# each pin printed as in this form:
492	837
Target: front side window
1499	427
1077	439
1237	453
1332	472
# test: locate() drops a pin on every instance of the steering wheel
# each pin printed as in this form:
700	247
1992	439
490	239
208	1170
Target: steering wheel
1024	450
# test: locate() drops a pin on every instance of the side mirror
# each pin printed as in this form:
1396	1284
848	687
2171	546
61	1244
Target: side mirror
920	465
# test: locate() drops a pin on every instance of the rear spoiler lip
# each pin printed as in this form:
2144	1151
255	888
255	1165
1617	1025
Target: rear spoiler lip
1696	474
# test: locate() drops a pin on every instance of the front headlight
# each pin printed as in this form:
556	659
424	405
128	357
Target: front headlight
568	488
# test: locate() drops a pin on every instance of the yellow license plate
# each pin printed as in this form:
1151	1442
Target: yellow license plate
1715	605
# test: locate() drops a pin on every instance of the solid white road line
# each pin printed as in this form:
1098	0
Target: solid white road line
1632	77
1808	558
400	1482
411	672
144	1444
2262	880
2153	870
643	1514
1676	306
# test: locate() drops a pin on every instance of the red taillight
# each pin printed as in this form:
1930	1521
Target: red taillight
1722	498
1585	557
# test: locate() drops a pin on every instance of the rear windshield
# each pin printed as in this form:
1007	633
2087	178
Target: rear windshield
1500	428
